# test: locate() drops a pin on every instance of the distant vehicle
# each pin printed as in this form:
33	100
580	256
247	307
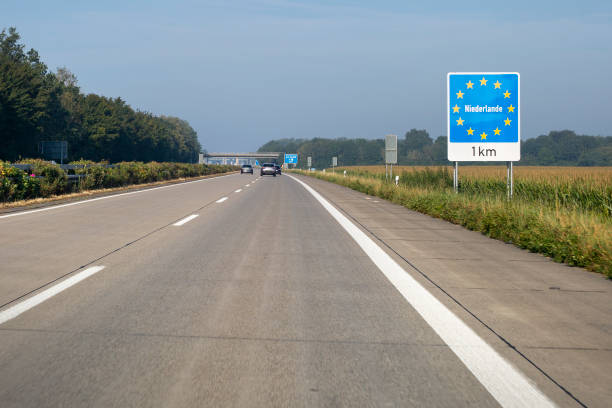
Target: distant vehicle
278	169
268	169
246	168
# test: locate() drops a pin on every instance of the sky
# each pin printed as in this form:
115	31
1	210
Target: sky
246	72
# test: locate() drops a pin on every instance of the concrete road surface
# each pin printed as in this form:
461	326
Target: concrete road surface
249	291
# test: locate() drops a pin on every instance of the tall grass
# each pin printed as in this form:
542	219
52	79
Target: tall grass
561	188
548	215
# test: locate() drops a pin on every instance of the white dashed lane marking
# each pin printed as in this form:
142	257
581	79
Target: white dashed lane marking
185	220
19	308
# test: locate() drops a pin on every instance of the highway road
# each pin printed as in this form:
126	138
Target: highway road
287	291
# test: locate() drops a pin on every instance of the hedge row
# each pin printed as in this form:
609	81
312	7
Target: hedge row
47	179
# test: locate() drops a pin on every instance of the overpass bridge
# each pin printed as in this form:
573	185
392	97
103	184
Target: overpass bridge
228	156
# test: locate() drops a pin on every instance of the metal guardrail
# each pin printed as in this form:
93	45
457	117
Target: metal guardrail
28	167
24	167
72	178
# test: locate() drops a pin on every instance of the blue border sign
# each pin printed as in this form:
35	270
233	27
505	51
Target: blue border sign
483	116
291	158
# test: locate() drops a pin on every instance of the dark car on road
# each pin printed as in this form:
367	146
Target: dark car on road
246	168
278	169
268	169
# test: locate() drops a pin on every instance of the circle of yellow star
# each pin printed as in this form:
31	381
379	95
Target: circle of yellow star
459	95
506	94
507	122
510	108
456	109
460	121
497	131
497	85
470	84
470	131
483	81
483	135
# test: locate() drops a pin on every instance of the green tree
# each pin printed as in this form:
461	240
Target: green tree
37	105
416	139
412	150
565	148
30	109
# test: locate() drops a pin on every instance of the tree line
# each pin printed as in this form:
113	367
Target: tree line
558	148
39	105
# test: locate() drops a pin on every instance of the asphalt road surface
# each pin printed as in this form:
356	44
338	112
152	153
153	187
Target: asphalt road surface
249	291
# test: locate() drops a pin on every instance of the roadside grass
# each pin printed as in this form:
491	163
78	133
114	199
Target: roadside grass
572	232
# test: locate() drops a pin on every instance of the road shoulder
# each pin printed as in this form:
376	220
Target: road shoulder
550	320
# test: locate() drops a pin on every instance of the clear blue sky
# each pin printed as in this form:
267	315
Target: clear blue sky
245	72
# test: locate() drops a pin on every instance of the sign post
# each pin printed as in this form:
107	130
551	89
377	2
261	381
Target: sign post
390	153
334	163
54	150
456	177
309	162
483	120
509	180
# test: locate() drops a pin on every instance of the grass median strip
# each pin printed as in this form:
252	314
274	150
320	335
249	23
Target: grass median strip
106	197
575	236
49	180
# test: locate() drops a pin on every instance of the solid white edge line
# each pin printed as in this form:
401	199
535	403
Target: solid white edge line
185	220
53	207
237	191
509	386
221	200
29	303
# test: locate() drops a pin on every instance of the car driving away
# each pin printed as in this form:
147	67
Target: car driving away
268	169
278	169
246	168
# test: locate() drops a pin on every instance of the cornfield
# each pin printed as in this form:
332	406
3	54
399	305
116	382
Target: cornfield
583	189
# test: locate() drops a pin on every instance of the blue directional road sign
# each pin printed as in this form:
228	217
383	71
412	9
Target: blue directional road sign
291	158
483	116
